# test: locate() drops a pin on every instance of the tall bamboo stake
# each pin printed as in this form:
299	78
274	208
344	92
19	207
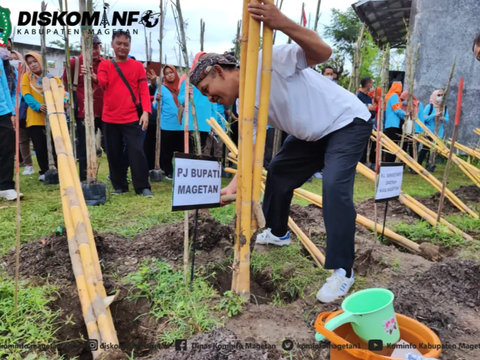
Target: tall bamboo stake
380	115
87	49
183	43
69	79
150	47
238	204
159	90
262	121
317	15
358	60
17	182
247	149
51	162
452	147
442	110
202	33
238	38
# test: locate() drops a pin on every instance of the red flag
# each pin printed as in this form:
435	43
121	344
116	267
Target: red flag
304	18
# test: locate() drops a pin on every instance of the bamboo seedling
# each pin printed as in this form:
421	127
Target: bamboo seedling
279	8
202	34
439	116
317	16
355	80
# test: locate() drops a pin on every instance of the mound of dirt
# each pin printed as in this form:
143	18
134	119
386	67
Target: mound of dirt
50	256
434	296
220	344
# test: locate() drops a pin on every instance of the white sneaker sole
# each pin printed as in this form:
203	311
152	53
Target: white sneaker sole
272	242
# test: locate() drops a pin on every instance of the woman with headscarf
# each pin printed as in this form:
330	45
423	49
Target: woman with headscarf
172	130
8	84
432	110
428	118
32	91
394	116
24	143
418	111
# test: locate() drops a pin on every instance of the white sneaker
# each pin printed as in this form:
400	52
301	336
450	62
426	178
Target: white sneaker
41	178
9	194
266	237
28	170
336	286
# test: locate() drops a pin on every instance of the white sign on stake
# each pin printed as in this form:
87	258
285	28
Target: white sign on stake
197	182
389	182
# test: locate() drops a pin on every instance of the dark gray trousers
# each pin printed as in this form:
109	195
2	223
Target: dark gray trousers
337	154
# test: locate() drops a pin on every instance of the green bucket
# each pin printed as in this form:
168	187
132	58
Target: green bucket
371	314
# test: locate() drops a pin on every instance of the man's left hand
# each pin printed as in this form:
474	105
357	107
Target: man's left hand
144	120
269	14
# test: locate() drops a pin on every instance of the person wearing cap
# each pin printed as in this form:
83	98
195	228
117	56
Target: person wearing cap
328	127
79	102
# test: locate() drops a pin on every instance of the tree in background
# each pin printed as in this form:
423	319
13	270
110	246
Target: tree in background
344	30
61	44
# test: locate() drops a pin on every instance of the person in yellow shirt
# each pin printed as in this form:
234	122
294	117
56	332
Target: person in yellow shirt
32	91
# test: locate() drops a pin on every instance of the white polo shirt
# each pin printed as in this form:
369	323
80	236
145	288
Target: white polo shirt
304	103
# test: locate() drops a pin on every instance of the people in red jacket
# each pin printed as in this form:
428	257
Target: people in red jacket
79	102
126	107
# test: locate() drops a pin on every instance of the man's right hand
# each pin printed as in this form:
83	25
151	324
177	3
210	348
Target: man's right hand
43	108
92	74
159	97
229	190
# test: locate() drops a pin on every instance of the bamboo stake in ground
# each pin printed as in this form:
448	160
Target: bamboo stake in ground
380	115
87	49
441	112
51	162
317	16
243	280
238	204
17	184
452	147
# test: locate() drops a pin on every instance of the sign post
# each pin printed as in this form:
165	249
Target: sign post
197	184
389	186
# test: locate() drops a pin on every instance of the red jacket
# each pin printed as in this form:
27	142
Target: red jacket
97	90
118	103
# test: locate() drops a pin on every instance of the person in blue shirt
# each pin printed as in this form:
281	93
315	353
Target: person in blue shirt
8	85
394	117
172	138
428	118
432	110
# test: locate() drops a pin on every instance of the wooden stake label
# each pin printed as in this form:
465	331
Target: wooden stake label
197	182
389	182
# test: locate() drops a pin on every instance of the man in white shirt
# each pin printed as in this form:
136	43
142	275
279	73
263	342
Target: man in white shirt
328	128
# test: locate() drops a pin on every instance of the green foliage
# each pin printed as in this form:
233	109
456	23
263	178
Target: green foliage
344	30
232	303
423	231
184	313
32	324
465	223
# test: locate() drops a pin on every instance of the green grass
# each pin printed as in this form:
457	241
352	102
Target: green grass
423	231
185	313
465	223
302	272
33	324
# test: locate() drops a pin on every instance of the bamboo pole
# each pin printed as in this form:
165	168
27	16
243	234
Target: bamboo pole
243	280
146	42
238	39
279	8
92	162
158	134
186	150
317	15
69	79
380	116
202	34
469	151
357	61
183	43
106	329
238	204
58	102
262	121
17	184
392	147
51	162
442	110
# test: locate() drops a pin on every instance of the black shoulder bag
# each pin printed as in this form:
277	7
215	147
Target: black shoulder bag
139	105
